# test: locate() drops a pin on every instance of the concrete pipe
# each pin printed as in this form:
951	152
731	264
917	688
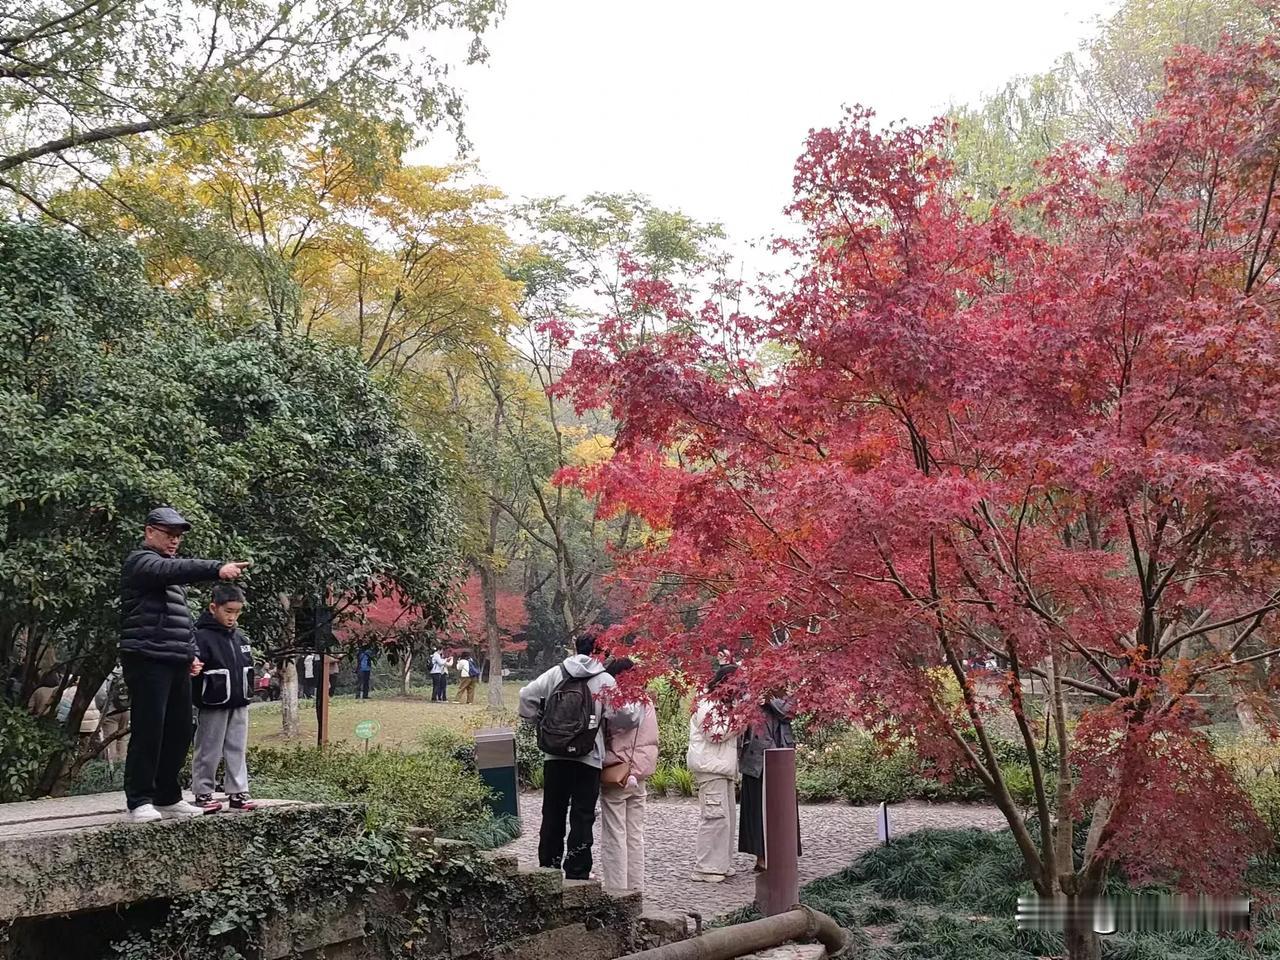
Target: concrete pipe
741	939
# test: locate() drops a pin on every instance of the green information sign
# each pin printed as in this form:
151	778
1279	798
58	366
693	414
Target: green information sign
367	729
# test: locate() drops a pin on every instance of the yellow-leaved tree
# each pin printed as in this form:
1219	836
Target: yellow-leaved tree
328	236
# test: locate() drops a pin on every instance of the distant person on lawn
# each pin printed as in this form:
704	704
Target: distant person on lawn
571	705
222	693
440	665
158	654
364	671
468	677
310	666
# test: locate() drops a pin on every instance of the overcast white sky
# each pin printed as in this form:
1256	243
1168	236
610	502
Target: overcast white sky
704	104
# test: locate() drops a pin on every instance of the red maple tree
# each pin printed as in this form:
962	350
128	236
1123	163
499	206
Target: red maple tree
392	622
467	630
1054	447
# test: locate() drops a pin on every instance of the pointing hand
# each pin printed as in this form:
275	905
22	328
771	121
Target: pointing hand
232	570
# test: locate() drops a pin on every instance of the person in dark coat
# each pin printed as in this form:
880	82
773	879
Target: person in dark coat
222	693
771	730
158	655
364	670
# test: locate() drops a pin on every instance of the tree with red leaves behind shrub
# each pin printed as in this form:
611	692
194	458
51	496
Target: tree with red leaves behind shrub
1053	451
396	626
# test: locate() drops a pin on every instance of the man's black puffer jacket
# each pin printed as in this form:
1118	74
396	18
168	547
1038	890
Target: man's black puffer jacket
155	620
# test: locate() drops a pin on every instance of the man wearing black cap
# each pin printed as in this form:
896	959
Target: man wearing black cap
158	653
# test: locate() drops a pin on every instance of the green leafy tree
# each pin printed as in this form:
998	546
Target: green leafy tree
113	398
83	80
1095	96
582	265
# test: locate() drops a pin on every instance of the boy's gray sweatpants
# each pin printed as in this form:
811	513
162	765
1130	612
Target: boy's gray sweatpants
221	735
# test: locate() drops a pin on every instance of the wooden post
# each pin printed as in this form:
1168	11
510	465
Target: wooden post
322	704
778	885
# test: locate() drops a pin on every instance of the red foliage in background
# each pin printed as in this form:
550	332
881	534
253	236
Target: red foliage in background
390	620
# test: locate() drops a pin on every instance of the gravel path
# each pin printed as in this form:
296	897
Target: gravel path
833	836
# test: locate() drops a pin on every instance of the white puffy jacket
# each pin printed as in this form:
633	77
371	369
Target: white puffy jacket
713	747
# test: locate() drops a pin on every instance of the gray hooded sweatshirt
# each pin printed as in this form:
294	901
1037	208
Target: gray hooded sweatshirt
615	716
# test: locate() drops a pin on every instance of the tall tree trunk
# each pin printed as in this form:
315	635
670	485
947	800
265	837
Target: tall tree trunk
489	593
289	698
489	579
406	673
1082	942
289	677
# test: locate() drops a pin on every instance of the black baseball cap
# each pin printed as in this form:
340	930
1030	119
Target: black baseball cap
167	517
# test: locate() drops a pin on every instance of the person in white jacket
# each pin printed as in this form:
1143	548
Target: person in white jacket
571	785
713	761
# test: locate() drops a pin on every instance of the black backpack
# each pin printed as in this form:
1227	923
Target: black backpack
567	727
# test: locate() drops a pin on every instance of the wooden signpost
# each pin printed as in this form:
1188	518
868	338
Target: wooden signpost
778	885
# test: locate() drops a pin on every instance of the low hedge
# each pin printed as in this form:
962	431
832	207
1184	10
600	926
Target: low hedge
428	788
850	765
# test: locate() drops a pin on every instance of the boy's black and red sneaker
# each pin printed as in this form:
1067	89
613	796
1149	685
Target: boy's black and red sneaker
206	803
242	801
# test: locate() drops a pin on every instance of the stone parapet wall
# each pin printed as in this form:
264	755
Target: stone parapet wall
68	893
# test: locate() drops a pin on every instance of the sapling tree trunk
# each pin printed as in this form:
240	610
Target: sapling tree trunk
289	698
493	639
406	673
289	676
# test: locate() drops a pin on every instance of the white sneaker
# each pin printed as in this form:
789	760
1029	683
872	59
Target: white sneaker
707	877
144	814
179	810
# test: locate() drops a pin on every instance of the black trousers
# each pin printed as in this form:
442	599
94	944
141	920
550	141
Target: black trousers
159	729
439	687
571	788
363	694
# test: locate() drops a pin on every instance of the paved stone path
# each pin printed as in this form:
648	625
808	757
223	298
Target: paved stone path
833	836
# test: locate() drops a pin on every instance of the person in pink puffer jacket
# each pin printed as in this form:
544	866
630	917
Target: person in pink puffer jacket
631	757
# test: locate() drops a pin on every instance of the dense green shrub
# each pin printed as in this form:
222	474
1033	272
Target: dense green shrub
853	765
97	776
1255	763
673	711
27	745
817	783
1265	794
430	788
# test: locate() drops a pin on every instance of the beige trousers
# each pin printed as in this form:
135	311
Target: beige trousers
467	688
713	853
622	836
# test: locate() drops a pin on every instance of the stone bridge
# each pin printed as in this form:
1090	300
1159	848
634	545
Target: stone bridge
76	876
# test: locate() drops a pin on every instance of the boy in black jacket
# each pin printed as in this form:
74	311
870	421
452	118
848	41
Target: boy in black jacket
222	693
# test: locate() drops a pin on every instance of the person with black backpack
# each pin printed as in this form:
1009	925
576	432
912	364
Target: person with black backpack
571	705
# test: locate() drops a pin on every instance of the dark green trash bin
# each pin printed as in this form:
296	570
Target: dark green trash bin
496	761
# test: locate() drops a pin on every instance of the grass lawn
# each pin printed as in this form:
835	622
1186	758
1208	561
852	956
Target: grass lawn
401	719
